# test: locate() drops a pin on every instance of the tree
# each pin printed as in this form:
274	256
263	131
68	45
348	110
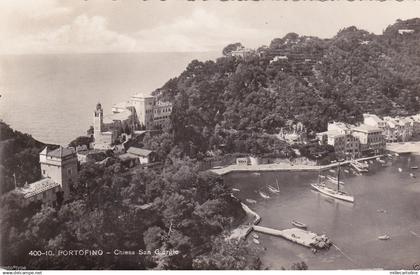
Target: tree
231	47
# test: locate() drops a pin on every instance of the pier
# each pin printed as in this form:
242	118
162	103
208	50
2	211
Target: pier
297	235
284	167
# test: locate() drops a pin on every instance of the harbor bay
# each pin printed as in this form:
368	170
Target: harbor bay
385	203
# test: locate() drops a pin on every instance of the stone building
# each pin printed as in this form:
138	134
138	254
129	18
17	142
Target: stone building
59	174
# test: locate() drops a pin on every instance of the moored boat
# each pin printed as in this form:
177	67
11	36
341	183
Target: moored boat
265	196
251	201
412	175
400	170
332	193
273	189
256	174
384	237
299	224
256	241
414	167
235	190
255	236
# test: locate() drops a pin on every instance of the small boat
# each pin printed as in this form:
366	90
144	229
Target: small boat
382	161
412	175
235	190
414	167
299	224
321	176
256	241
346	171
371	161
332	170
255	236
251	201
384	237
378	158
256	174
265	196
381	211
400	170
273	189
396	154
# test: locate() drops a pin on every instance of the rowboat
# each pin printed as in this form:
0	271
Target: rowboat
251	201
346	171
256	241
265	196
235	190
384	237
299	224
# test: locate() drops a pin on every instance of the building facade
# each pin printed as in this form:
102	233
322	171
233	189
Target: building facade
371	139
59	175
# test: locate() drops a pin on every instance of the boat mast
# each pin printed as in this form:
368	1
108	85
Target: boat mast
338	178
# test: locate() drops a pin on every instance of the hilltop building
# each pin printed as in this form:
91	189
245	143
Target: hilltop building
59	174
140	112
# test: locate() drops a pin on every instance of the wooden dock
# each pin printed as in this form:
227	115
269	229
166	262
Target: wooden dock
297	235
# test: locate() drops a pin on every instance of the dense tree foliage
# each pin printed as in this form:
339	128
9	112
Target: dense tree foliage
312	81
115	208
19	158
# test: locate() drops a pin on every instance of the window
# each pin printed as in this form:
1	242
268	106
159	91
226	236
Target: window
69	171
43	172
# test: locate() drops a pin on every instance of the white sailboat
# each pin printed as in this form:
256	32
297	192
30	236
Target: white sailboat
274	189
337	194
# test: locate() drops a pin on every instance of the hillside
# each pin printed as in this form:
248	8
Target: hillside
19	157
296	79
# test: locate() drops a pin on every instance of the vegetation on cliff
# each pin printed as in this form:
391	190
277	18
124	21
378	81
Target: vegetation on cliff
19	158
296	78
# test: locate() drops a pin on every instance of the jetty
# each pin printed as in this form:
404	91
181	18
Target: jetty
283	167
297	235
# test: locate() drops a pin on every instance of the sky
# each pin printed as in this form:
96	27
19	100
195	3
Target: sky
98	26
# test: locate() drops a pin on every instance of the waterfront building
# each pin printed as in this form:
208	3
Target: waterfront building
400	129
59	174
371	139
345	145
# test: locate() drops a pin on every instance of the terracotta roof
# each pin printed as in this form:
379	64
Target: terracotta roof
139	151
38	187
